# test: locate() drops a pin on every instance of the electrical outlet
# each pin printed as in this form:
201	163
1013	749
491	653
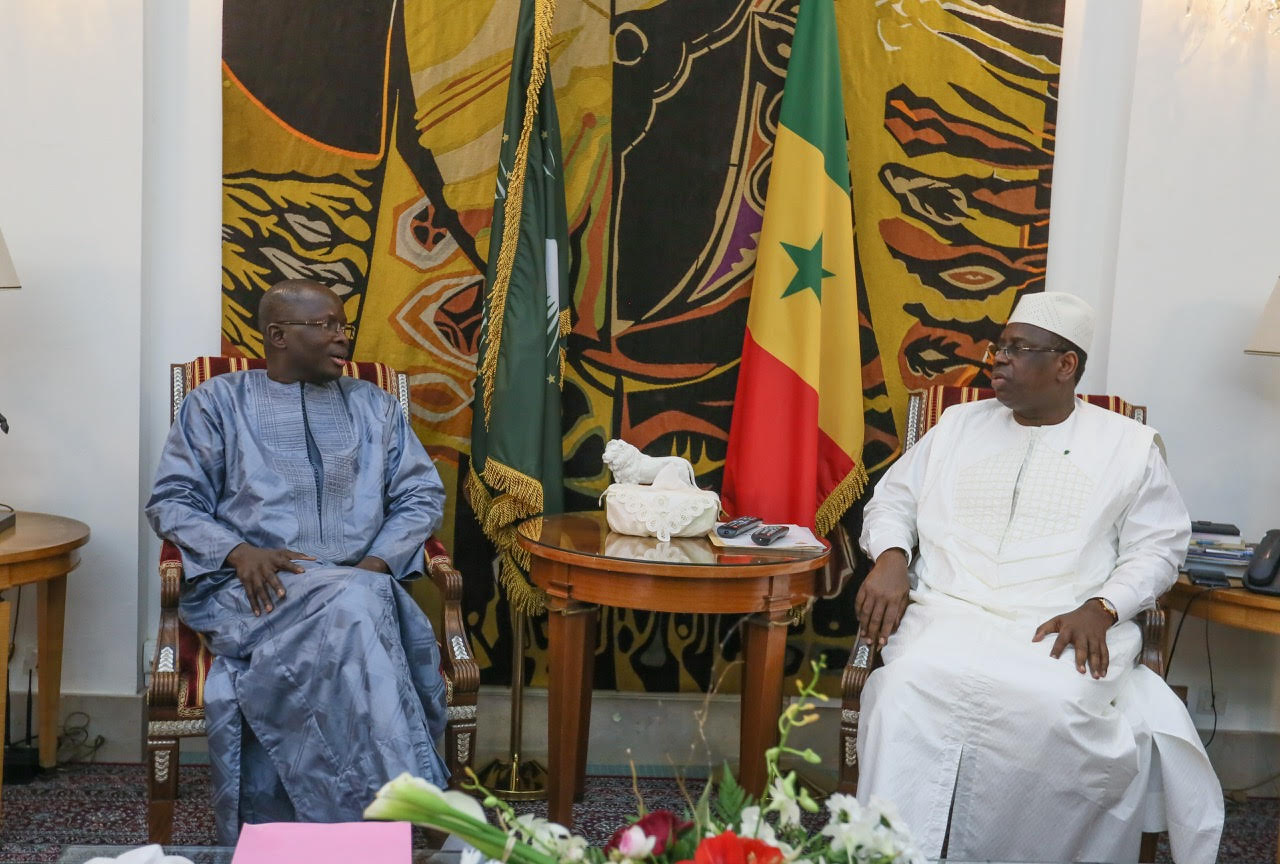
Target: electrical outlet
1207	700
27	659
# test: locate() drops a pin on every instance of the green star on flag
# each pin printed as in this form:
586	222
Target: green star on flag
809	270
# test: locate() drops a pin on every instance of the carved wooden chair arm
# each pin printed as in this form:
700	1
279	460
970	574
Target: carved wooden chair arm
460	667
1153	623
862	659
164	665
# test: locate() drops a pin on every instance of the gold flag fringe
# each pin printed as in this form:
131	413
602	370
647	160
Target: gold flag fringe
543	13
498	518
519	485
847	491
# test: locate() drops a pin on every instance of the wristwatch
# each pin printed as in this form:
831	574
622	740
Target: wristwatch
1111	609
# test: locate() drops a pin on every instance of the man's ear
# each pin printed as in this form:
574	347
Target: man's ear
274	336
1067	364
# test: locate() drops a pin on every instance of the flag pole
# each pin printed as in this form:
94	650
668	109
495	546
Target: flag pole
516	779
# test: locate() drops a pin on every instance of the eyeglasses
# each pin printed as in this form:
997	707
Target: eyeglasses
1013	352
331	325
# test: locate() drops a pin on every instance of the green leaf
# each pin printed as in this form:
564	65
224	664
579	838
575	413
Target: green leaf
731	798
684	847
702	810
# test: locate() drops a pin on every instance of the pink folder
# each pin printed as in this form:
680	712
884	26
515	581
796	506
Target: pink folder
325	843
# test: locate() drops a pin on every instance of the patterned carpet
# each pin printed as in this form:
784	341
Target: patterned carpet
106	804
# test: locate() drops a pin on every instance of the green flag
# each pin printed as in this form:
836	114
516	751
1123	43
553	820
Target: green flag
516	462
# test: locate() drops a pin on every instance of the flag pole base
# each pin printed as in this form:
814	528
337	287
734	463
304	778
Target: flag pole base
515	780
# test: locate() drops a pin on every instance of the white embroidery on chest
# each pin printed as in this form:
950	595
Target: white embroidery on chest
1026	492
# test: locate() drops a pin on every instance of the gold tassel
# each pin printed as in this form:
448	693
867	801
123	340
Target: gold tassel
849	489
544	12
522	596
498	517
517	484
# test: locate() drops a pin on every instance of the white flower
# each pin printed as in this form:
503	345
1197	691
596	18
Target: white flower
844	808
752	824
844	836
634	844
782	802
883	842
412	799
472	855
886	810
537	828
572	848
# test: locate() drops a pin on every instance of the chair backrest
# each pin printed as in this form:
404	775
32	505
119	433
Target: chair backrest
185	377
924	407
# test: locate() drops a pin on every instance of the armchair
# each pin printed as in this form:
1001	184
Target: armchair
923	410
175	697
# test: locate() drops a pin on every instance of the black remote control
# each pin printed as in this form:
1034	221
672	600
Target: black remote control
769	534
739	526
1208	578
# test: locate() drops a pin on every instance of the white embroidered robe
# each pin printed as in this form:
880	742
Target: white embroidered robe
970	722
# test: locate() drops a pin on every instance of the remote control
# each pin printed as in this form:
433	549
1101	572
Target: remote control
739	526
769	534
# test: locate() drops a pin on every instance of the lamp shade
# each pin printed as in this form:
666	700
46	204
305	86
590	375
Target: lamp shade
8	276
1266	339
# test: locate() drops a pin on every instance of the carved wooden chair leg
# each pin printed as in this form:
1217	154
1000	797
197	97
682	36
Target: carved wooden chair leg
459	742
162	787
1147	854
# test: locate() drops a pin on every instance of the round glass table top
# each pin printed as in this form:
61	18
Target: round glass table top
587	533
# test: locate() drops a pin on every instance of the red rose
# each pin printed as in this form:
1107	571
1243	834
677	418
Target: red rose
729	848
662	825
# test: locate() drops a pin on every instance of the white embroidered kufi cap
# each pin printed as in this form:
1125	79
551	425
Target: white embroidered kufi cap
1058	312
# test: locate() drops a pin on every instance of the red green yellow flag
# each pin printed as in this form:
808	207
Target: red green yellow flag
795	443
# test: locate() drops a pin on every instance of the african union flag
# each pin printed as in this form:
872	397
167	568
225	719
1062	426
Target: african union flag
517	466
795	442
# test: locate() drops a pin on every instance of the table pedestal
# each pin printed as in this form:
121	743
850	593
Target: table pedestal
581	565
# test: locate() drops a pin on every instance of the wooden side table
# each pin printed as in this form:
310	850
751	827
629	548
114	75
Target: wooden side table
1235	607
43	549
580	564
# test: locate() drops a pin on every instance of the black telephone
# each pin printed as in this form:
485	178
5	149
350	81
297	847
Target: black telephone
1263	566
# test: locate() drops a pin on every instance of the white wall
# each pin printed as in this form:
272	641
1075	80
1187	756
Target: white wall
1091	146
71	75
110	200
1198	255
181	228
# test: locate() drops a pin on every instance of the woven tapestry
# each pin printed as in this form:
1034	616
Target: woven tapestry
360	148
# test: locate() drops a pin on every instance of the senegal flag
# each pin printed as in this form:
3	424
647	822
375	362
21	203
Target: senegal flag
516	463
795	443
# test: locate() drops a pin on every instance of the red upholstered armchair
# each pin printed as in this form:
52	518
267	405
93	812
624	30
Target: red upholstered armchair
175	699
923	410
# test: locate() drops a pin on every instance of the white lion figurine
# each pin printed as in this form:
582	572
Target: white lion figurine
629	465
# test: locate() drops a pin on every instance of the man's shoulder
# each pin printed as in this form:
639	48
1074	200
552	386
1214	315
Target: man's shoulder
220	387
367	397
1113	420
364	389
979	409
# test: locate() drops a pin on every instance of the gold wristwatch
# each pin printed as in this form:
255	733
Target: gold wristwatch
1111	609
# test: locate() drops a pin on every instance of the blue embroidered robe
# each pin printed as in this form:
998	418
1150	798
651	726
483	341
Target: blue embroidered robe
313	706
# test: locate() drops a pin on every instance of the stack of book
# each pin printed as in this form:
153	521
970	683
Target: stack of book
1217	546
